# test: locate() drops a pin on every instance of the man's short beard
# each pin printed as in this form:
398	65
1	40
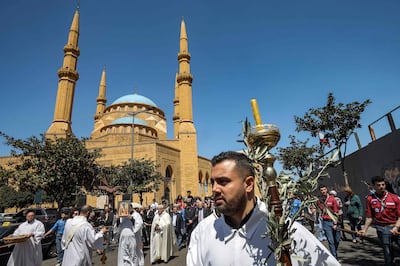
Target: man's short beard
236	205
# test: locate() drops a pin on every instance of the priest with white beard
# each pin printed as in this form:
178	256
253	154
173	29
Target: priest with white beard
162	245
80	239
28	252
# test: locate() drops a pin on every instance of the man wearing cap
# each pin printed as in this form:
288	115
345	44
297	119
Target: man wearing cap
137	230
340	212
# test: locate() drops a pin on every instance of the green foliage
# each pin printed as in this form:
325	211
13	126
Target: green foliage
7	195
60	167
137	176
10	197
279	228
336	121
23	198
297	157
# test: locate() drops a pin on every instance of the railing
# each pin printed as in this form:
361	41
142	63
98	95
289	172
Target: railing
390	120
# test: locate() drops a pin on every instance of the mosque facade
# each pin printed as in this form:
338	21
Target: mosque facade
133	126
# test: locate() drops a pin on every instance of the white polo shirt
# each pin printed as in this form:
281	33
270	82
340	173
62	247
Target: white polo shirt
213	242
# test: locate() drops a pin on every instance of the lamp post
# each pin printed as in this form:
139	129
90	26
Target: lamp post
133	114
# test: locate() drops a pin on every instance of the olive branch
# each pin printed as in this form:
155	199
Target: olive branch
279	229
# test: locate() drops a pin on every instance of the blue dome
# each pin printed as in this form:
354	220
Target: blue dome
134	98
128	120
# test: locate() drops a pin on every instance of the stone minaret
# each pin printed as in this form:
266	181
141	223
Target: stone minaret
61	126
183	113
101	98
175	118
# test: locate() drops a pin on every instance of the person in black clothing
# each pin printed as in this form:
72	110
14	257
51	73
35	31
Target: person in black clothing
189	198
190	220
108	220
108	216
148	216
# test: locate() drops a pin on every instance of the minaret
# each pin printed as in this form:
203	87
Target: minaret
184	79
101	98
186	131
61	126
176	118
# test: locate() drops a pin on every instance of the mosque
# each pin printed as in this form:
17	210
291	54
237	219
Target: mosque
133	126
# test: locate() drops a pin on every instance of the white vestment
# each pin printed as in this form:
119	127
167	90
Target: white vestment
213	242
127	243
138	235
28	252
162	244
78	251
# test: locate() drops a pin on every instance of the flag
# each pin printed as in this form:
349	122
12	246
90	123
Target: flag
323	140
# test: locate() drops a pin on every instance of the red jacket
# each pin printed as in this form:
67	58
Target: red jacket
385	210
330	203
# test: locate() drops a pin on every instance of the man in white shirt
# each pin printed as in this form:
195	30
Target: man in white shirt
236	237
80	239
28	252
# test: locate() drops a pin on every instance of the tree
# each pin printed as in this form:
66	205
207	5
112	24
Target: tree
297	157
137	176
10	197
336	121
60	167
7	195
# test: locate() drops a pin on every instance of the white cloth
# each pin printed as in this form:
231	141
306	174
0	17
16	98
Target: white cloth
162	244
213	242
84	241
138	235
28	252
127	244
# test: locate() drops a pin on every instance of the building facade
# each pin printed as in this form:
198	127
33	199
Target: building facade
134	127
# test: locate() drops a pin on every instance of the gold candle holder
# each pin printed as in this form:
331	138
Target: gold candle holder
268	135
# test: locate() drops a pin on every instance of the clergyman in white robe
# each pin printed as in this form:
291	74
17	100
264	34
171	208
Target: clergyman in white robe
83	240
162	244
28	252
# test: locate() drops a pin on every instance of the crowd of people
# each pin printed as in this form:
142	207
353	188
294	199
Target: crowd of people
225	229
330	211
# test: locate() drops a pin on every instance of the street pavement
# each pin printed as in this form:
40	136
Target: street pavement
179	259
369	253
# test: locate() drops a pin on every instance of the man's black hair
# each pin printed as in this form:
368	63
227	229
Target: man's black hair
243	163
28	211
377	178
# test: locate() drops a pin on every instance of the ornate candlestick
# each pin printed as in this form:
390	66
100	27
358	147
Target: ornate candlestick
267	136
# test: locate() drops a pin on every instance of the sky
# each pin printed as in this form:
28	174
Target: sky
288	55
